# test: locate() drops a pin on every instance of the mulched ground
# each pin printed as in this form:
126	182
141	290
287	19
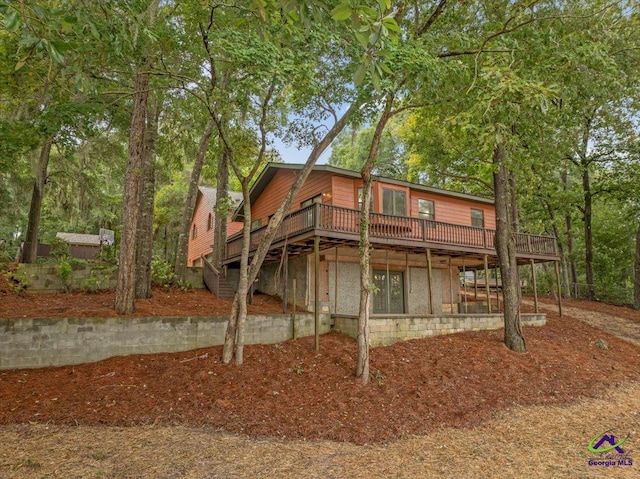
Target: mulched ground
289	391
164	302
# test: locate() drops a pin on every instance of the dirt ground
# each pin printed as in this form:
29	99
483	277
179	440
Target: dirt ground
451	406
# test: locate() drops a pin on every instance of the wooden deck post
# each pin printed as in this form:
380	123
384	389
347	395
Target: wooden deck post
285	287
486	283
475	284
535	286
450	286
557	268
497	290
316	291
293	312
335	285
430	279
464	284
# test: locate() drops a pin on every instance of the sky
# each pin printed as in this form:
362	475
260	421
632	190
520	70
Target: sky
293	154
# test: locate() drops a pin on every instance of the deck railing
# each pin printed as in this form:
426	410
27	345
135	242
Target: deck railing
329	218
210	276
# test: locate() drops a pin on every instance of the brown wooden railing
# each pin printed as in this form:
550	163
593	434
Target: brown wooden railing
210	276
328	218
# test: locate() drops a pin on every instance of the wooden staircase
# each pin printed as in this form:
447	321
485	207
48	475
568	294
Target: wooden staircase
216	282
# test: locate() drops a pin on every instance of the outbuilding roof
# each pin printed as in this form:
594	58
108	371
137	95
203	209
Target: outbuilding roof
80	239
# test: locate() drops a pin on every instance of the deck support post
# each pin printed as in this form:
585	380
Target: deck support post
464	285
386	261
559	285
535	286
450	287
316	291
430	279
486	282
497	270
285	286
475	285
335	285
293	313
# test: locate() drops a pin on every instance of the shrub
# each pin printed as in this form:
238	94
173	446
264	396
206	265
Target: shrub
64	273
162	273
60	249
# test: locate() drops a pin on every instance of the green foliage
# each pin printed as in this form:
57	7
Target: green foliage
64	272
17	278
108	255
60	249
162	274
91	284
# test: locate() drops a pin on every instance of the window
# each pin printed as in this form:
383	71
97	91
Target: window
210	222
310	201
194	232
477	218
390	295
256	224
360	195
394	202
426	209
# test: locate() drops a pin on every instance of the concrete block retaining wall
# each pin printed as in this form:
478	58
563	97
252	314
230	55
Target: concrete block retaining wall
43	277
31	343
388	330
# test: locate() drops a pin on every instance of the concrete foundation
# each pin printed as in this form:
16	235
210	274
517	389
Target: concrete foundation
391	329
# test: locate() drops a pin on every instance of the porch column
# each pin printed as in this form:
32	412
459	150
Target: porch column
535	286
486	282
557	268
430	278
316	291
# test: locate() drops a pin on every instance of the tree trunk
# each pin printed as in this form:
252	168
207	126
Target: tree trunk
588	237
362	343
243	283
144	248
636	273
274	224
568	258
221	211
125	289
587	195
30	254
505	248
558	236
180	267
366	288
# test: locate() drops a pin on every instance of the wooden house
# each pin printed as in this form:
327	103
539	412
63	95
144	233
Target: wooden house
201	232
425	240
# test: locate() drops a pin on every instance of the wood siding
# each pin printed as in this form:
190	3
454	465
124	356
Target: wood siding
201	245
447	209
317	183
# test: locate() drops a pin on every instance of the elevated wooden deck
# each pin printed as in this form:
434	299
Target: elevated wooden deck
337	226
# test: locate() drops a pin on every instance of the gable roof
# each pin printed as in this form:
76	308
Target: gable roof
271	169
80	238
210	195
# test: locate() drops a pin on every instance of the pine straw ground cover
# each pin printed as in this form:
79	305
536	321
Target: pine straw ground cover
124	416
520	443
